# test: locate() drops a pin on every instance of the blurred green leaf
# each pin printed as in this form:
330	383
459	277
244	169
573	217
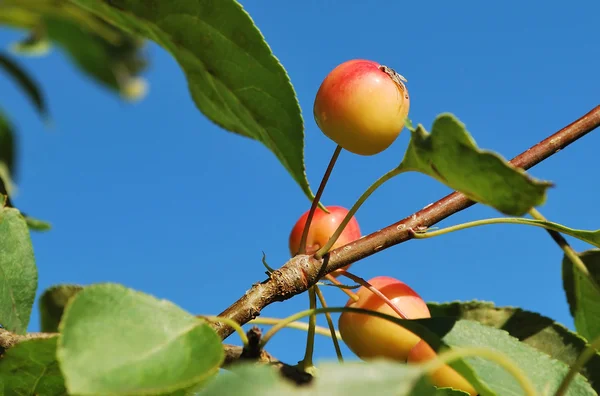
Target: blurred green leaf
35	44
18	273
7	155
100	50
352	378
37	224
25	82
116	340
52	305
114	65
583	297
450	155
30	368
233	76
7	144
535	330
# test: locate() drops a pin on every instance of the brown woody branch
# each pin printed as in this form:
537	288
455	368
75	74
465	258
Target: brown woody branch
301	272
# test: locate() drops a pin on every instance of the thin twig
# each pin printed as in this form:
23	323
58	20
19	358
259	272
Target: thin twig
317	199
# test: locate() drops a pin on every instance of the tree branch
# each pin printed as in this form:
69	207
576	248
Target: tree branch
301	272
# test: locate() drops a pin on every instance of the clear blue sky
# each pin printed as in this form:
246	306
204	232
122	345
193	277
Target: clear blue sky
154	196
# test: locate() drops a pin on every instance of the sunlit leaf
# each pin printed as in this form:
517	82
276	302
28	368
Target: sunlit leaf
449	154
233	76
18	273
535	330
116	340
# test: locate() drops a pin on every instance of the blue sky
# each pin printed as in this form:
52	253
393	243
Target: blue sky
154	196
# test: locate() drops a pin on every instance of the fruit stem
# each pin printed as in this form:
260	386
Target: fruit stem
497	357
299	315
567	249
229	322
315	202
307	362
322	251
334	338
375	291
294	325
585	356
350	294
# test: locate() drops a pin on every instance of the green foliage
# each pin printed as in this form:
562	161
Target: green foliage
449	154
37	224
18	273
7	153
233	76
540	332
52	305
36	44
25	81
114	63
30	368
116	340
582	294
102	51
377	378
545	372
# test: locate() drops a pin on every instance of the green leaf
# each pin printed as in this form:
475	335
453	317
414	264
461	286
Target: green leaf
7	145
18	273
535	330
450	155
35	44
233	76
545	373
114	65
7	155
25	82
583	297
52	305
351	378
37	224
30	368
122	342
100	50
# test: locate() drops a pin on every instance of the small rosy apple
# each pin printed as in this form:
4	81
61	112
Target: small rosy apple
322	227
370	337
443	377
362	106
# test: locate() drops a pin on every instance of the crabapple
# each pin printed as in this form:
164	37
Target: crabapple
370	337
443	377
322	227
362	106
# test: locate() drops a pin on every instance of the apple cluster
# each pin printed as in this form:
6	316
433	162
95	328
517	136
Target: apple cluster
371	337
362	106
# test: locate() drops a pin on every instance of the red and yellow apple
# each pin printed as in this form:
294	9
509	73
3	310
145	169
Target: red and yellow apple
362	105
322	227
443	377
371	337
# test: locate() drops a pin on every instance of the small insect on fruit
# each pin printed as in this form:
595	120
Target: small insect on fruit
362	106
